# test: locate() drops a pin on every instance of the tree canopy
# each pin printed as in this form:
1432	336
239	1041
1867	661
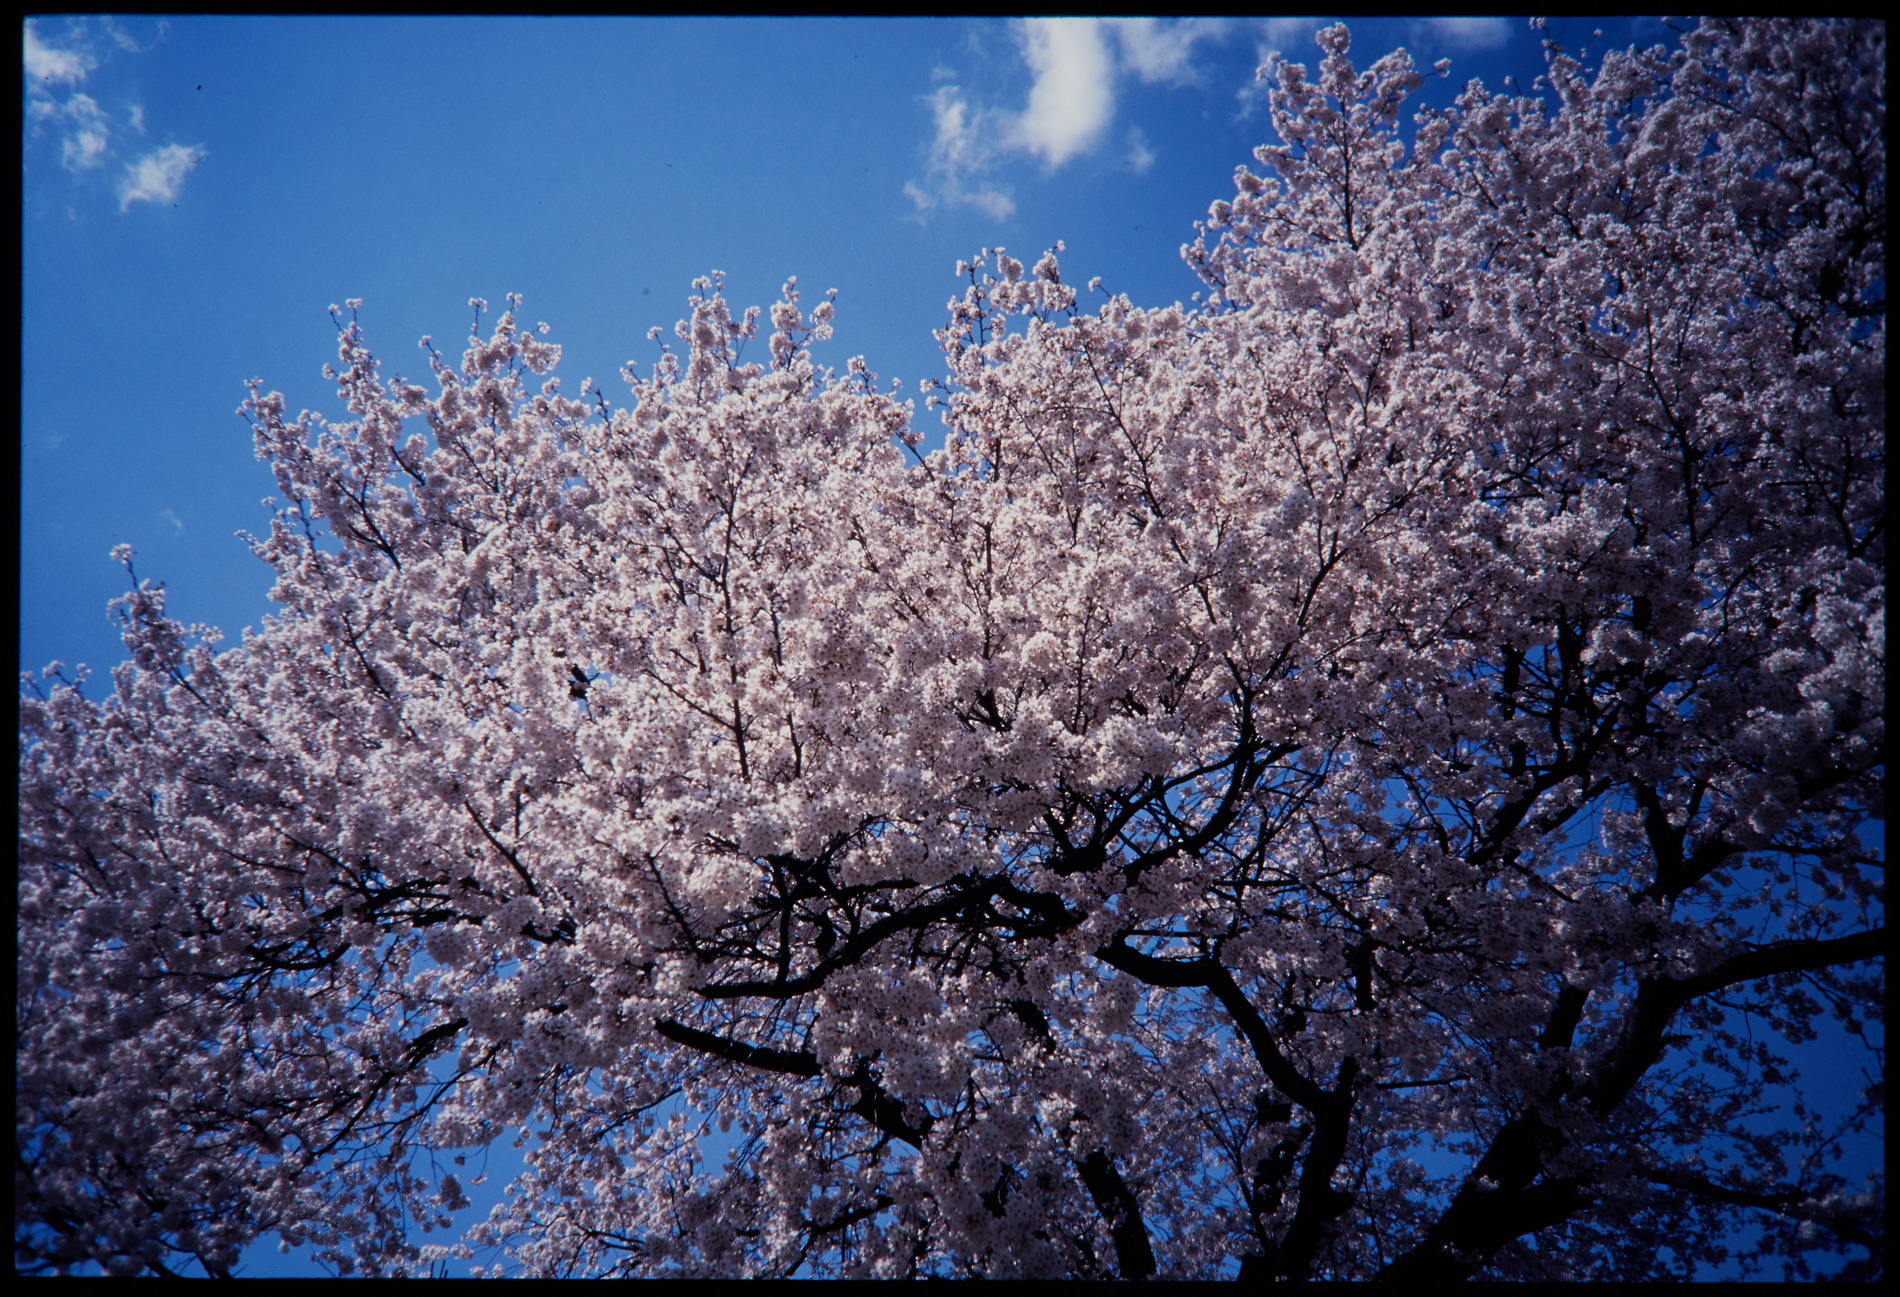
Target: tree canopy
1375	773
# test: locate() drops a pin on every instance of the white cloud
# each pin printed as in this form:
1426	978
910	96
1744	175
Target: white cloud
47	65
85	146
173	519
958	146
1140	156
155	178
81	124
958	155
1073	98
1292	37
123	39
1160	51
1074	70
1471	33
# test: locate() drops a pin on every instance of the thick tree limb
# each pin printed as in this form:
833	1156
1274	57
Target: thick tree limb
1134	1255
874	1103
1499	1201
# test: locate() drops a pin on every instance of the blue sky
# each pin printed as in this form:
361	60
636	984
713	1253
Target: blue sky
199	191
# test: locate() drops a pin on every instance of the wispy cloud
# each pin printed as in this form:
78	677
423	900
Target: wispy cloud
959	155
1074	66
173	519
52	64
1470	33
1290	36
1140	157
123	39
1163	51
87	135
155	178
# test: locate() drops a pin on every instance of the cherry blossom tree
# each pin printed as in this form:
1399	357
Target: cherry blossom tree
1373	774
